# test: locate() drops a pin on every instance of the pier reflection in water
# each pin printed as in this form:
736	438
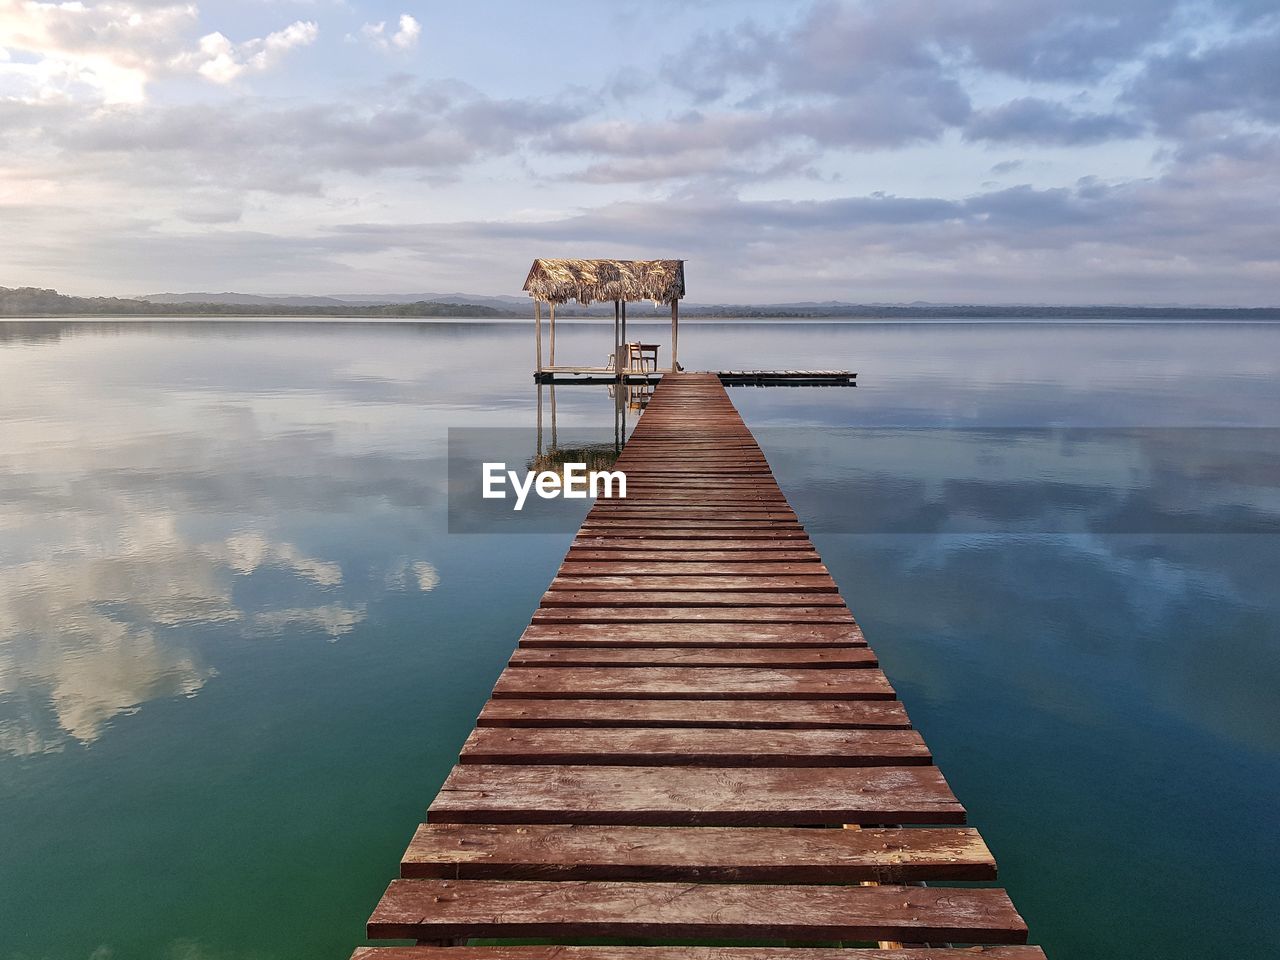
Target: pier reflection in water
627	400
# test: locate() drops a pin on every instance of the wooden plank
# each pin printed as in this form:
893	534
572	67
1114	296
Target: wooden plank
633	599
681	568
652	503
813	658
694	796
680	683
673	501
685	614
689	526
752	535
709	854
817	583
736	714
717	451
634	546
696	747
690	953
693	634
747	484
668	517
693	529
670	503
799	554
436	909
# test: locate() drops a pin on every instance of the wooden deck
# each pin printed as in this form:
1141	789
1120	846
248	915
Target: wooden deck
688	720
739	378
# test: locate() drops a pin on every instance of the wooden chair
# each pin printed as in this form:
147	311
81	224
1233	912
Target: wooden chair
643	356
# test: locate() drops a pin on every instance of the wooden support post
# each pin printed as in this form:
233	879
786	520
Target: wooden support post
882	944
537	317
539	418
675	333
624	335
553	334
617	363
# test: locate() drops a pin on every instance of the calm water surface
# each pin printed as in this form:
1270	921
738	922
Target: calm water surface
239	650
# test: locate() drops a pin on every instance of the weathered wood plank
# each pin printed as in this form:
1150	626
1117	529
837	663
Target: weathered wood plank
814	583
709	854
640	547
641	506
433	909
685	527
633	599
696	494
682	568
696	747
813	658
694	796
737	613
743	634
691	953
753	534
667	683
735	714
802	554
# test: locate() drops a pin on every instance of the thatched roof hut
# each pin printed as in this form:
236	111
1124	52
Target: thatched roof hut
559	281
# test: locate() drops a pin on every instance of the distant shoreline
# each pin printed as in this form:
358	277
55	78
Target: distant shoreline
1155	317
34	303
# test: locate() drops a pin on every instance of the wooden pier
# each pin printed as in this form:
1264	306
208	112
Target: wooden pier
692	703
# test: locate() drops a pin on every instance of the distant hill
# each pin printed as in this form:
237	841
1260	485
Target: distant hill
339	300
499	302
245	300
35	301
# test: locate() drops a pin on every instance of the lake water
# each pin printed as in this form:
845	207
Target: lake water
239	649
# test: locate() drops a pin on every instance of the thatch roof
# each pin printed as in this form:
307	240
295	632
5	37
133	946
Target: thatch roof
559	281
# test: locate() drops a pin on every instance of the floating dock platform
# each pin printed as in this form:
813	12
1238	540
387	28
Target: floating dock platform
692	742
731	378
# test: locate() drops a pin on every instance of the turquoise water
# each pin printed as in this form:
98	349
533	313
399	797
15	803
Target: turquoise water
239	650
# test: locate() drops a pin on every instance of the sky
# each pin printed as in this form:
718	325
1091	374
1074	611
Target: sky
996	151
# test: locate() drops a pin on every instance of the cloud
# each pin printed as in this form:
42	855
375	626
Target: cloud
283	147
427	576
419	573
1196	233
871	76
1237	78
700	142
246	552
1031	120
222	61
110	578
404	37
105	51
334	619
81	622
113	52
845	73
